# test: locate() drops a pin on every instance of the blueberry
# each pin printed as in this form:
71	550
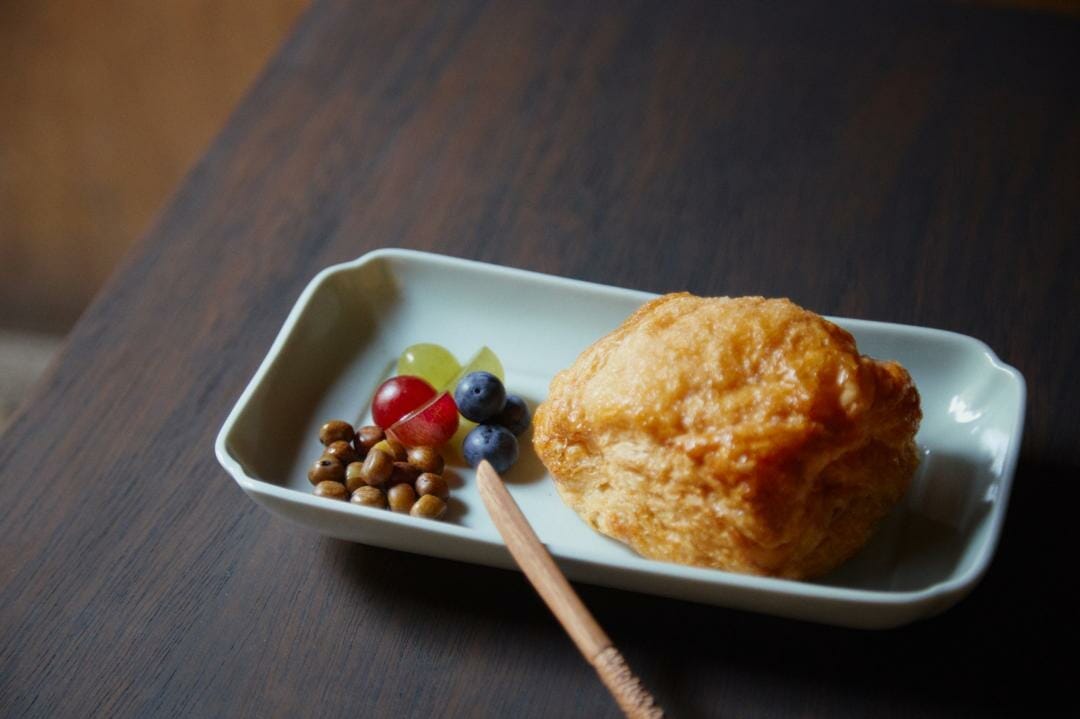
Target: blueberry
514	415
480	396
493	443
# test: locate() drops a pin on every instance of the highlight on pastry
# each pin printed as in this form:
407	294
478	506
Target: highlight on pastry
745	434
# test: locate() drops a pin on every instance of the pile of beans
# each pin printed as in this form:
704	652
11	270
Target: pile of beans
366	467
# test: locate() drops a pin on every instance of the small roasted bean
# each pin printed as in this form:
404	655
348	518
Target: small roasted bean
343	451
366	438
369	497
326	469
429	506
333	490
396	450
403	473
425	459
428	483
401	497
335	430
377	468
353	476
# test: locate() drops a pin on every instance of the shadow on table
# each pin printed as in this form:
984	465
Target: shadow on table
707	661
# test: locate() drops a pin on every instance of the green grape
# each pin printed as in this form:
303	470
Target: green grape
483	361
430	362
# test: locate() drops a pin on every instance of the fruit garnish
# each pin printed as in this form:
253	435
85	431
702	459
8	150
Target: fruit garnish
483	361
398	396
493	443
480	396
514	416
431	362
428	426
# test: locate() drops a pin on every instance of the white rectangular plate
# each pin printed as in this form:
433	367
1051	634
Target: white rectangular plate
343	337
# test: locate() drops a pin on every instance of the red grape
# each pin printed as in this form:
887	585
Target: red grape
429	426
398	396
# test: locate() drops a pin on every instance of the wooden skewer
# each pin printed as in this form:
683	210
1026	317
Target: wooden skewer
541	570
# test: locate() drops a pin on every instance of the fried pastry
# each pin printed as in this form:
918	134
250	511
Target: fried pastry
746	434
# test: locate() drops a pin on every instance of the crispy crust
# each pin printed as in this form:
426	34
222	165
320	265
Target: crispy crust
745	434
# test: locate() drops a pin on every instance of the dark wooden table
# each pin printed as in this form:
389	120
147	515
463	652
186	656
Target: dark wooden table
910	162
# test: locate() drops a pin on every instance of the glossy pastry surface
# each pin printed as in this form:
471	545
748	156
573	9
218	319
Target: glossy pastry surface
745	434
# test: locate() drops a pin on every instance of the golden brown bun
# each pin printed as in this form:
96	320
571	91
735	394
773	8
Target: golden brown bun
744	434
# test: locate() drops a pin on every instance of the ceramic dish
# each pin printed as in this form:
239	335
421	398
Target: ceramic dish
927	555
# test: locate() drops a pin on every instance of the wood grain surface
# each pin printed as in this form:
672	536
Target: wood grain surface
910	162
